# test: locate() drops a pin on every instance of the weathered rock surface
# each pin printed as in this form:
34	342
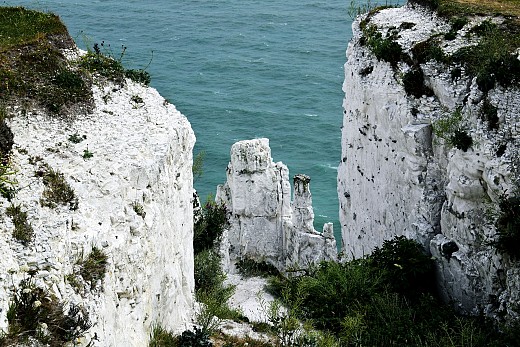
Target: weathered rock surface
396	177
142	155
264	225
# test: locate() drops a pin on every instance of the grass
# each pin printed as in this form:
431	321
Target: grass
488	7
93	268
57	191
32	67
23	231
20	26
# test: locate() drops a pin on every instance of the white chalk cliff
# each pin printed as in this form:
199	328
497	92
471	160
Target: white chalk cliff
142	156
264	225
397	178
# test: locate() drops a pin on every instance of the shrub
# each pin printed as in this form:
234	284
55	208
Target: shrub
57	191
413	82
23	231
251	268
428	50
139	76
93	268
6	182
508	226
33	312
103	65
209	228
406	267
195	338
162	338
489	113
450	129
384	49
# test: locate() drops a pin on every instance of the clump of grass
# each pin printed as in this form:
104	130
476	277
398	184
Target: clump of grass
77	138
138	209
23	231
7	182
93	268
87	154
450	129
57	191
161	337
428	50
385	49
34	313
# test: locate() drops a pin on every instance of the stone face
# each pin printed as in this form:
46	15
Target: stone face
264	224
142	155
398	177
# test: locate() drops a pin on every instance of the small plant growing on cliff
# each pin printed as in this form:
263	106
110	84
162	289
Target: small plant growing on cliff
208	229
450	129
35	313
7	182
198	165
93	268
160	337
87	154
57	191
23	231
138	209
77	138
385	49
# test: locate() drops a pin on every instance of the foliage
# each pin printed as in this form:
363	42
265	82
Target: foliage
198	165
23	231
77	138
104	64
251	268
209	228
383	48
450	129
87	154
428	50
33	312
210	288
138	209
356	8
20	26
406	267
413	82
93	268
384	300
489	113
57	191
195	338
160	337
508	226
6	182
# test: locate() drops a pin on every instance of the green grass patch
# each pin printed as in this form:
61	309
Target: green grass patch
20	26
93	268
23	231
57	191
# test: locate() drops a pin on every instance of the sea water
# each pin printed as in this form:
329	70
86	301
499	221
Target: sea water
238	69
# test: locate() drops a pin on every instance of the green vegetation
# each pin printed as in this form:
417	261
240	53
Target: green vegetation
198	165
508	226
87	154
384	48
6	182
77	138
36	314
251	268
138	209
32	67
208	229
57	191
413	82
451	130
385	299
163	338
93	268
23	231
104	64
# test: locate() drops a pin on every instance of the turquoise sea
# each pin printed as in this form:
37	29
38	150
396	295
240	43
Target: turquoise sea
238	69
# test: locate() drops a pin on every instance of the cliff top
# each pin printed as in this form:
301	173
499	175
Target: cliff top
449	8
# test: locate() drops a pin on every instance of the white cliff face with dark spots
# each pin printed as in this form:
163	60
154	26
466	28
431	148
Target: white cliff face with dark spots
398	177
142	156
264	225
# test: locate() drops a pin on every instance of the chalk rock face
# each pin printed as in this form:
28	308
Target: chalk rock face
264	225
398	176
135	197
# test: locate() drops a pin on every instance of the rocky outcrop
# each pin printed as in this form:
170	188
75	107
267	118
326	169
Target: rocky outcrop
129	164
264	225
403	173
